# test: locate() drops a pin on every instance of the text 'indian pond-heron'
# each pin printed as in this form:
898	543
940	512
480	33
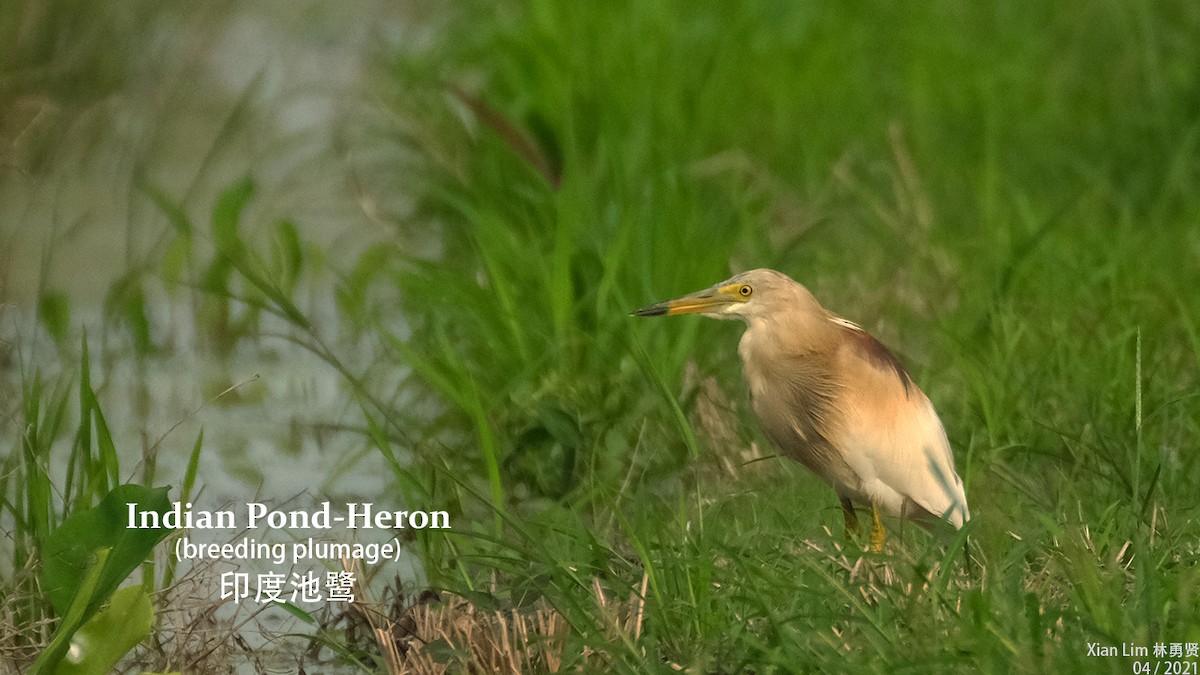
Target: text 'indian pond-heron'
835	399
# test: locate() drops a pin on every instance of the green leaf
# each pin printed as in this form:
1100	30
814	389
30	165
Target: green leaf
298	613
228	212
74	616
193	465
175	260
55	313
353	292
288	252
127	302
69	550
189	481
109	634
172	210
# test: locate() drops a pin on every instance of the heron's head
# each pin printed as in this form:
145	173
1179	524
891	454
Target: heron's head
746	296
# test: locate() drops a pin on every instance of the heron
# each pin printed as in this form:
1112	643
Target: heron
832	397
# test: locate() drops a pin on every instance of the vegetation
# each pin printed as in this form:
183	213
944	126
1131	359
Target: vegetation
1006	195
68	557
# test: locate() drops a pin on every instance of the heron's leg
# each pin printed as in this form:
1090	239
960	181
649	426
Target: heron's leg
878	534
851	517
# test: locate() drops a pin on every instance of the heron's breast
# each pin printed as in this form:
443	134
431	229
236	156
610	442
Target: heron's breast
793	398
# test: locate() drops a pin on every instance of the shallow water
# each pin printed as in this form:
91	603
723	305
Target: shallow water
82	225
284	431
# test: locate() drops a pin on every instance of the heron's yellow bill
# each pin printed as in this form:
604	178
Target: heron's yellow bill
708	300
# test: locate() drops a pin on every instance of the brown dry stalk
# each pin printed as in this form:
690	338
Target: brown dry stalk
455	634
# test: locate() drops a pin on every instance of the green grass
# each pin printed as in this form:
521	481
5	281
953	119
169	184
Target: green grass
1006	195
63	559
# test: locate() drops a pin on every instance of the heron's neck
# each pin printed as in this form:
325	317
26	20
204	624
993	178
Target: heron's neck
791	334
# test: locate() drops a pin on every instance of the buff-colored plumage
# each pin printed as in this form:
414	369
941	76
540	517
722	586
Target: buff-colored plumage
833	398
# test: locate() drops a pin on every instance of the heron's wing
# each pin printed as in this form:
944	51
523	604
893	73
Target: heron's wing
891	435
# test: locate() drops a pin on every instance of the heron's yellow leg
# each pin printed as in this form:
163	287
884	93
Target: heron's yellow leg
851	517
878	534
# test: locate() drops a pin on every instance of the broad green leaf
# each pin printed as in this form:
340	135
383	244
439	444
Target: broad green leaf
74	616
109	634
69	550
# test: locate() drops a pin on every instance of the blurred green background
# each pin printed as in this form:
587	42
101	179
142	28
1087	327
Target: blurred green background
454	207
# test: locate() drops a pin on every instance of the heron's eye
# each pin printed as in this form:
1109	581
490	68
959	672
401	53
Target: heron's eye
745	291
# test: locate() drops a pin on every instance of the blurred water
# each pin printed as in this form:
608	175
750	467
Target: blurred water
287	433
273	89
82	225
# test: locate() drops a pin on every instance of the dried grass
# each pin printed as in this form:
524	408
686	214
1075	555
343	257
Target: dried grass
717	423
189	636
448	633
21	639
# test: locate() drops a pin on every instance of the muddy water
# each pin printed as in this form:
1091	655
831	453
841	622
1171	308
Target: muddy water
296	74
